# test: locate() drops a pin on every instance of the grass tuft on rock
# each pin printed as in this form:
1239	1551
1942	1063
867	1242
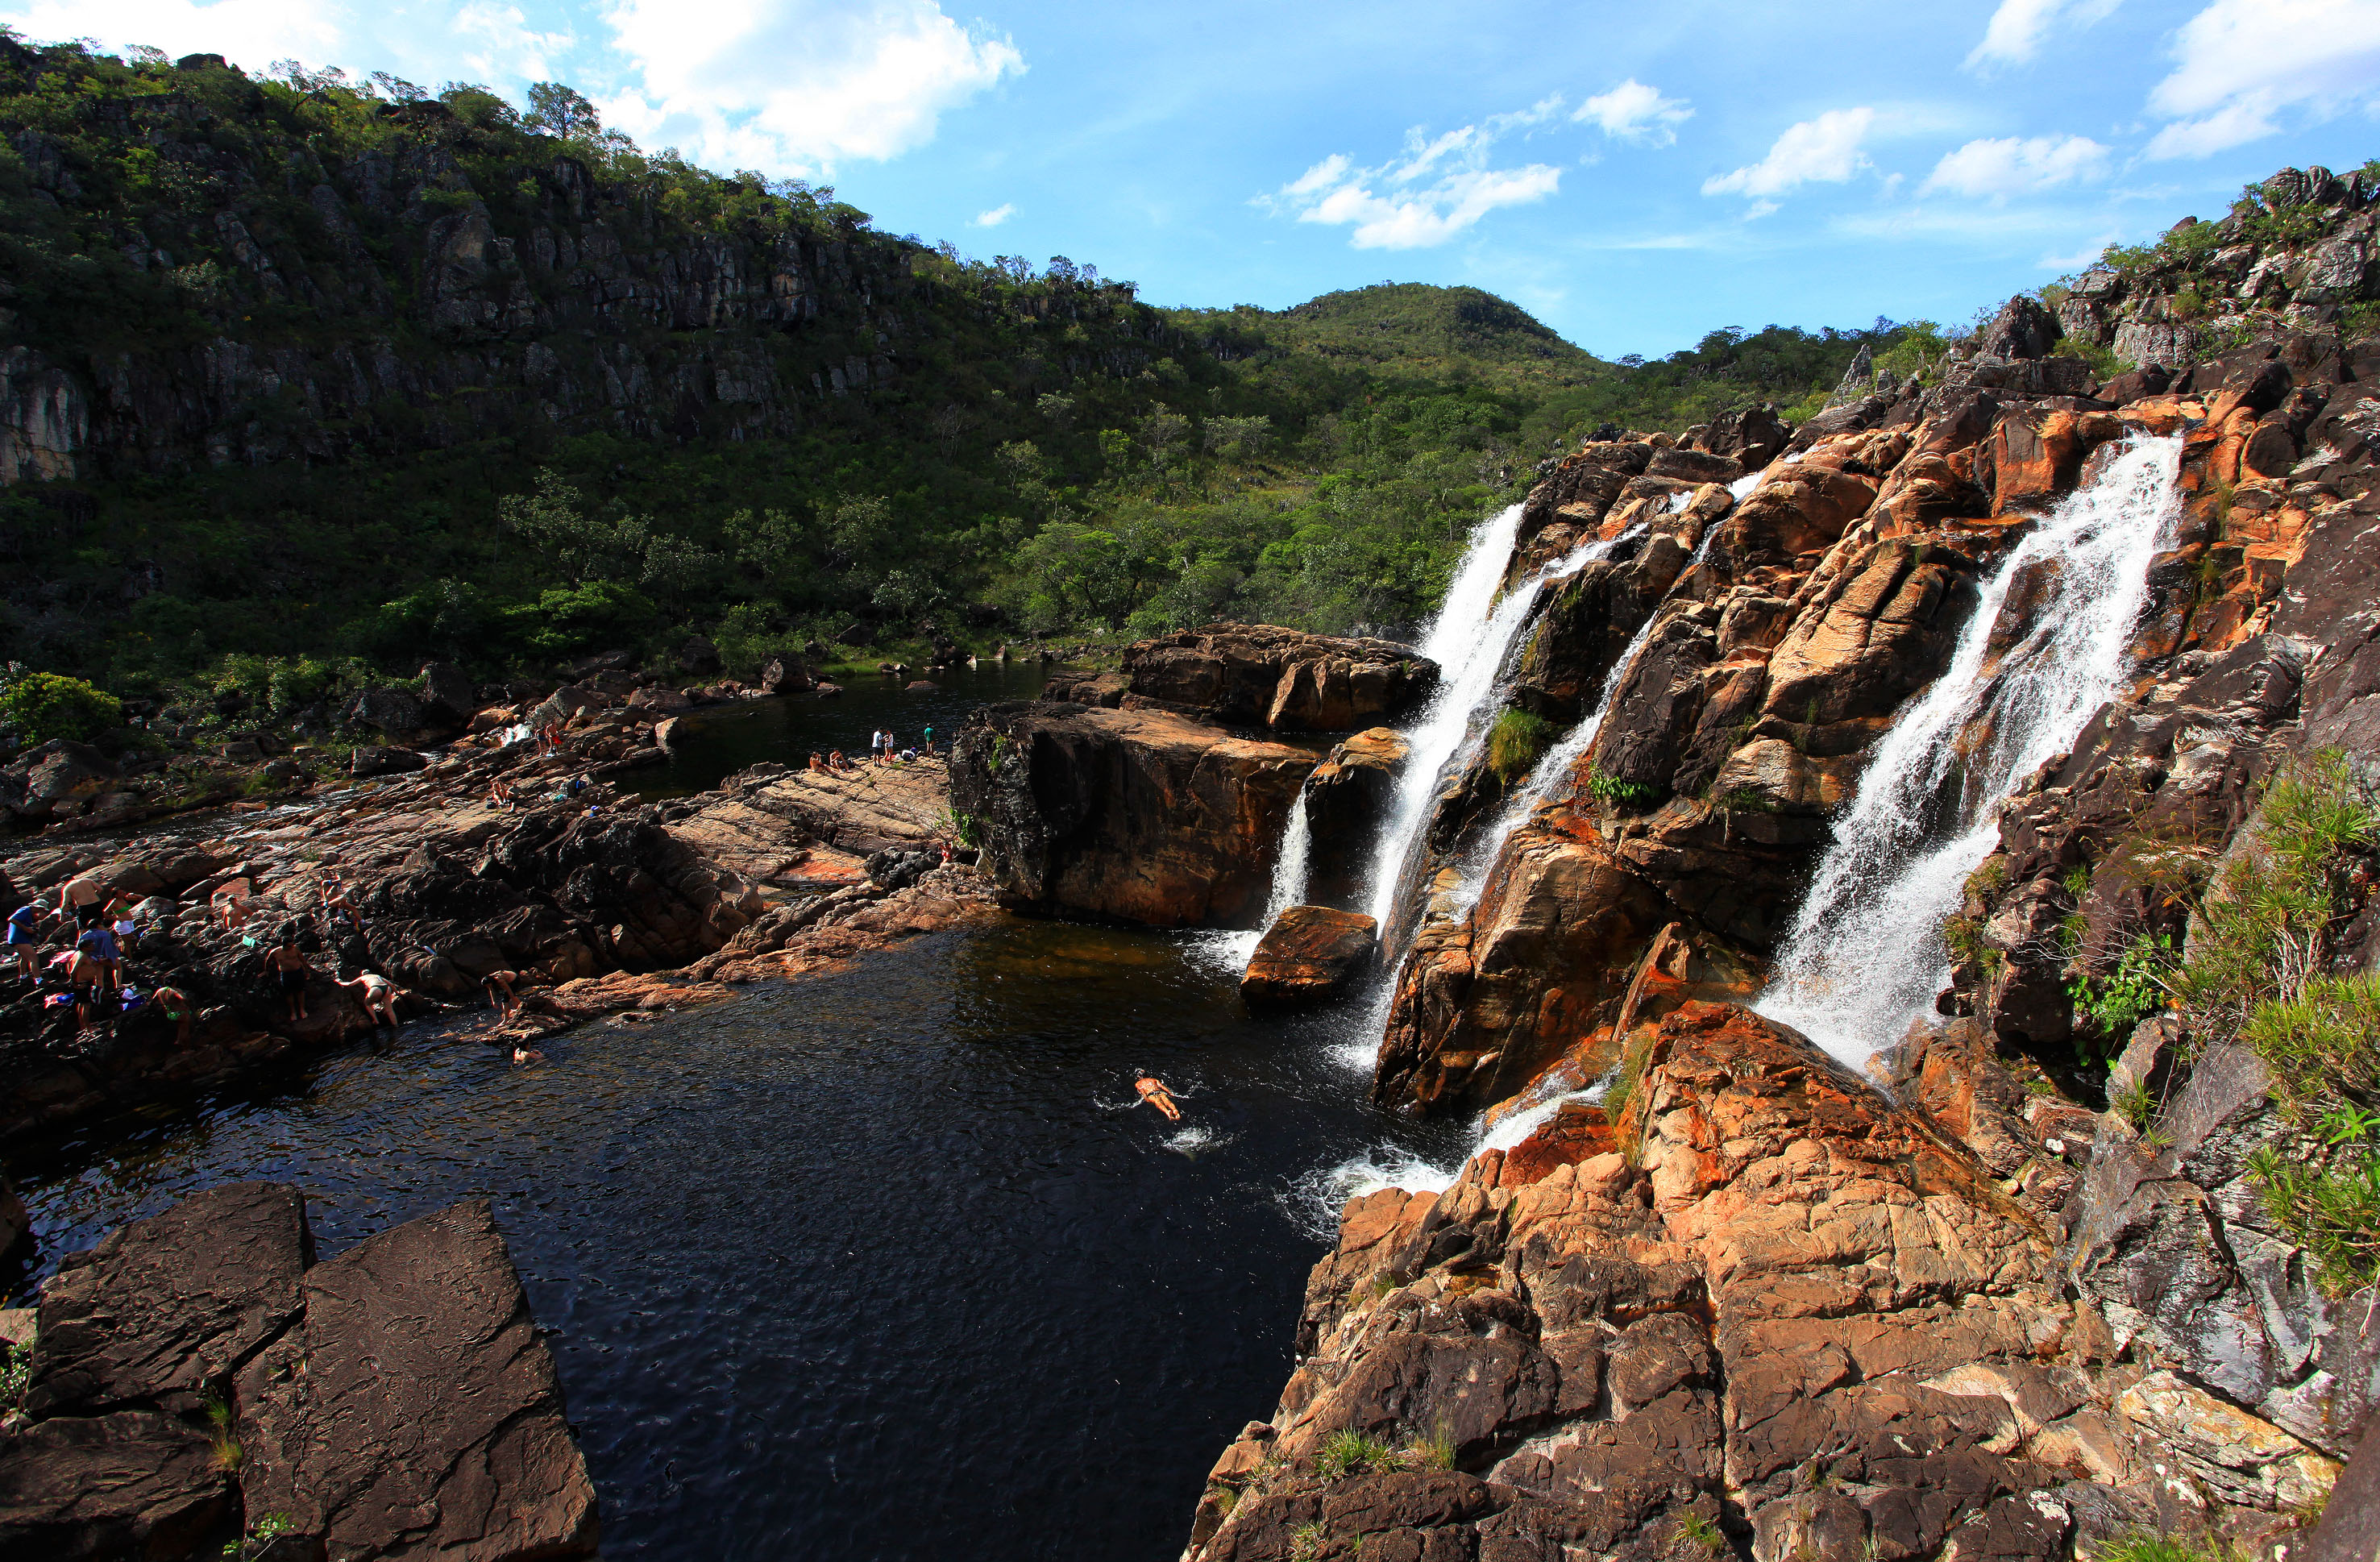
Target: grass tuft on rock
1350	1452
1515	743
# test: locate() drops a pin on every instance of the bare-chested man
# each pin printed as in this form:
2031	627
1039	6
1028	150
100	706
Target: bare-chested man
290	968
1153	1092
500	996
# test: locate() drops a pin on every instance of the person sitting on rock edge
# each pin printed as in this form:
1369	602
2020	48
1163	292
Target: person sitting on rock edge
290	968
1153	1092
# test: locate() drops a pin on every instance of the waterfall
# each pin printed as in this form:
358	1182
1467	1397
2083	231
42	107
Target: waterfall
1288	870
1865	957
1470	641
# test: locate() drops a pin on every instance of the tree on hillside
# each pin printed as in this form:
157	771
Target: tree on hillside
558	110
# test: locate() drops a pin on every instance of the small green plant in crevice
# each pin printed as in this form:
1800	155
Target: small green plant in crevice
2134	991
1963	937
1699	1531
16	1374
1349	1452
228	1453
1433	1452
2076	882
259	1536
2146	1545
1517	741
1306	1541
967	828
1622	794
1991	877
2135	1104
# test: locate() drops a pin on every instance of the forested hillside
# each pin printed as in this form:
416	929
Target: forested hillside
307	368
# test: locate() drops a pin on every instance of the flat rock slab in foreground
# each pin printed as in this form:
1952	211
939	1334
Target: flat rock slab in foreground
1309	954
395	1400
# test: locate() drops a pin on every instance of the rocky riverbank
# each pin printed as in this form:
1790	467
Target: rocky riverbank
493	857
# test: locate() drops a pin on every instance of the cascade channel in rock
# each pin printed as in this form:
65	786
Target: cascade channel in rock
1865	955
1471	640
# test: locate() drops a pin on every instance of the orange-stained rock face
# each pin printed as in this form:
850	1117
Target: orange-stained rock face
1309	954
1349	799
1260	674
1779	1296
1481	1007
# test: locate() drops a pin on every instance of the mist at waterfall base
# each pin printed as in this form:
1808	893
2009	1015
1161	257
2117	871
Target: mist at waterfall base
879	1265
1865	956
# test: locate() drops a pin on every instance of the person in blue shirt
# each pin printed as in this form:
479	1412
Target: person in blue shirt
24	938
99	945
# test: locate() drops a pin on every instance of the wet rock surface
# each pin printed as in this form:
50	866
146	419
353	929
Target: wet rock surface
198	1370
1310	953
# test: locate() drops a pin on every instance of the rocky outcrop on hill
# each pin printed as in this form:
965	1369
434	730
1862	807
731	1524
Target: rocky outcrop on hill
1141	815
1262	675
199	1372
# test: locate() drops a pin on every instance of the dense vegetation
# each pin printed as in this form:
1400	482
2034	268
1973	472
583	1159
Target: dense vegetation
1050	455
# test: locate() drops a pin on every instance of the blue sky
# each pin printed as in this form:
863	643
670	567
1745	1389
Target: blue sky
1634	174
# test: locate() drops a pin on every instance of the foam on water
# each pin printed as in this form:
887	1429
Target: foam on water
1865	957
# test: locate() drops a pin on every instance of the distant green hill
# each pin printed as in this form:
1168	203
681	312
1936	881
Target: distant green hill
309	378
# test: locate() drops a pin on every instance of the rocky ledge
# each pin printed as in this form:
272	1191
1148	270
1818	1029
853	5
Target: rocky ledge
1761	1310
1139	815
1262	675
199	1377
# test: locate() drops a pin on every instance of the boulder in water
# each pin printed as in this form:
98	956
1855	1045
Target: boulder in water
1309	954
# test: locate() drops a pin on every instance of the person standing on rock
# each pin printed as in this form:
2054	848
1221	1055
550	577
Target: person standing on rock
1153	1092
82	899
24	938
128	927
499	985
97	945
290	969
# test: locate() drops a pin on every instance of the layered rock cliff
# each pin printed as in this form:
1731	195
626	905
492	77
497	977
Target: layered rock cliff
2073	1280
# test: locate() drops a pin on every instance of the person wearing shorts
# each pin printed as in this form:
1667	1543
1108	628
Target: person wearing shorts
127	925
83	898
376	993
500	996
97	945
290	969
84	975
24	939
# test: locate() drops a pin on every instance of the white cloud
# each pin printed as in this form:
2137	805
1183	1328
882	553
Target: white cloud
2090	251
250	33
996	216
2017	28
508	48
2238	63
1825	150
1441	186
806	84
1999	168
1634	112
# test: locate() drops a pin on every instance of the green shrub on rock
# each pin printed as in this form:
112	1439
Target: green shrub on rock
41	706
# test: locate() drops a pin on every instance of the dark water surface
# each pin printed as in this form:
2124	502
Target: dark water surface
718	741
879	1265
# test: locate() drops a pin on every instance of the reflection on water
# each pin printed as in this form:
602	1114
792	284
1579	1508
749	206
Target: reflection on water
882	1265
720	740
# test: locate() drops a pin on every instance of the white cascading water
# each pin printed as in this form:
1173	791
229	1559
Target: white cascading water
1289	869
1865	955
1470	654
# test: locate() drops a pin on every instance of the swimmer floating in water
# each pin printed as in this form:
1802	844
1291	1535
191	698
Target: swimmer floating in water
1156	1094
